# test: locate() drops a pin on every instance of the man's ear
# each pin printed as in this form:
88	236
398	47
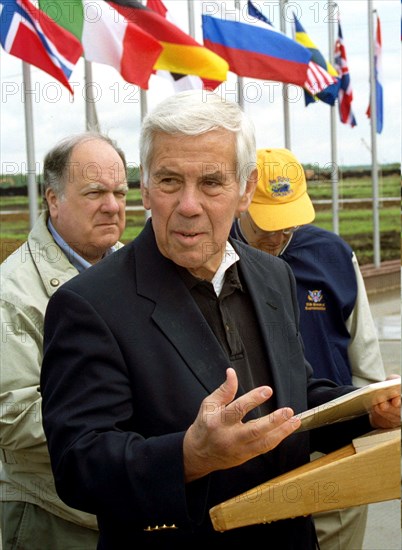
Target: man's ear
144	192
52	202
248	194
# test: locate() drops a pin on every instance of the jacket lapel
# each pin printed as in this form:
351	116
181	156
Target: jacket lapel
268	304
183	324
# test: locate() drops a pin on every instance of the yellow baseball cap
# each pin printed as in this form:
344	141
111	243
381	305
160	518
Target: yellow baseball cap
280	199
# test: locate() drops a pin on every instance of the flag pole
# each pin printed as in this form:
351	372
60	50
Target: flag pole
285	87
334	150
30	146
373	124
144	109
91	118
191	23
143	112
240	78
143	96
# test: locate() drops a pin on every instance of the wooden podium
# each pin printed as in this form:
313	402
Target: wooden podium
367	470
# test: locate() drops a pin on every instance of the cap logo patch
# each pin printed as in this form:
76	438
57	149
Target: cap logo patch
280	187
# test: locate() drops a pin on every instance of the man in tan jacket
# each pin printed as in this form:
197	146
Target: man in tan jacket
85	196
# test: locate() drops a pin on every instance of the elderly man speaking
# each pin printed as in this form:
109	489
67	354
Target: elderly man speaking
173	370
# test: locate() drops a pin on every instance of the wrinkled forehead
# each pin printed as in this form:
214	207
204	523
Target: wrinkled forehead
210	152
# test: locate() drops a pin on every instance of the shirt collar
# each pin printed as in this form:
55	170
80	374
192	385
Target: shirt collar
230	257
73	257
286	245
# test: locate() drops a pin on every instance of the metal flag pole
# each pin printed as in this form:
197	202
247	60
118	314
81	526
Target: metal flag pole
143	96
191	22
285	87
240	82
143	112
373	124
91	117
332	10
29	138
144	109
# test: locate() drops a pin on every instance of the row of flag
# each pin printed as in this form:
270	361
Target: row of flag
139	40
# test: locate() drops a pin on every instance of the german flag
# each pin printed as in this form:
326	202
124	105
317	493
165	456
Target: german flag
181	53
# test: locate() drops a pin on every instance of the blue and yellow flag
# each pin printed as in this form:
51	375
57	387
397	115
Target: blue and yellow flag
330	94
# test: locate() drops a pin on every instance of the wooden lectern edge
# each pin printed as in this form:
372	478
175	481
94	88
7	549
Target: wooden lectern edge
261	505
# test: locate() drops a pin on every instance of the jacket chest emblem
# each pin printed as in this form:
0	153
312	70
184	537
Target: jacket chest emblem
315	301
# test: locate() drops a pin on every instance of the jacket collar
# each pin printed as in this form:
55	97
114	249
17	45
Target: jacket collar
52	264
50	260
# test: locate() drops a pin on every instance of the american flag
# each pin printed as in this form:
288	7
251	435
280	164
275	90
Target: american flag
28	33
345	94
322	78
318	79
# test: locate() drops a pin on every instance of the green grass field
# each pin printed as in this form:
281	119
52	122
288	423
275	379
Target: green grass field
355	221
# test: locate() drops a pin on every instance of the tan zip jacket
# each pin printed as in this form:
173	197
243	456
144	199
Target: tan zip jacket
29	276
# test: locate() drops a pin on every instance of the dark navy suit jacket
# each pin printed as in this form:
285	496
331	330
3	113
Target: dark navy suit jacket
128	360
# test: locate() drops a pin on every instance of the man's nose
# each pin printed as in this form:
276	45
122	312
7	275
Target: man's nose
189	201
110	203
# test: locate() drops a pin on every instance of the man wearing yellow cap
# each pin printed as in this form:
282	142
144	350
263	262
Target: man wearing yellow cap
336	322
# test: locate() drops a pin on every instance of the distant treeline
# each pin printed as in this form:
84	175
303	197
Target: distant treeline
317	173
16	184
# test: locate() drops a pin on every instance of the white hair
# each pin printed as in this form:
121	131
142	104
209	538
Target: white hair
196	112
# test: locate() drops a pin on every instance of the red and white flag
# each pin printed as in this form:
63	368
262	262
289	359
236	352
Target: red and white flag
108	37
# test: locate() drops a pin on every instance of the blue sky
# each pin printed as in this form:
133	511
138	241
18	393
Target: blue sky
57	114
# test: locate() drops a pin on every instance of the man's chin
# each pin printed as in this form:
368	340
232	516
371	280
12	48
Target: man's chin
108	236
196	264
96	250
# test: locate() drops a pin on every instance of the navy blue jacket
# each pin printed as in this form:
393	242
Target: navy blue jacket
326	291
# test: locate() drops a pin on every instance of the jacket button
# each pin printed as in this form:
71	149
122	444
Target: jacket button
54	282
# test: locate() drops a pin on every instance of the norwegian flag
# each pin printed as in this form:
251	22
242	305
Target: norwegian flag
345	94
28	33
